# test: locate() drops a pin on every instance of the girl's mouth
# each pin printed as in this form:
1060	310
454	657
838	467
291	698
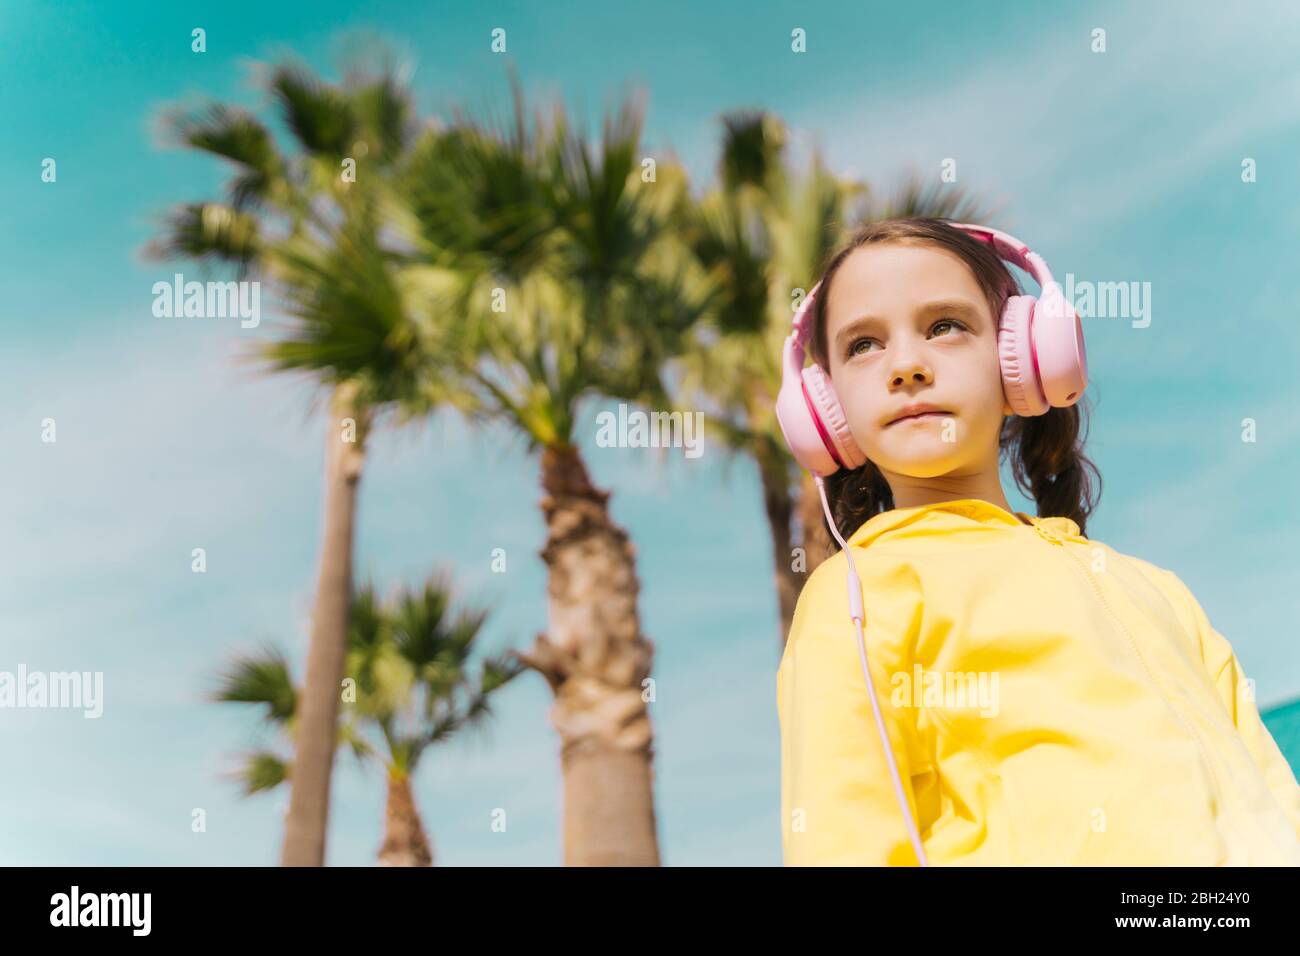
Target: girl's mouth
922	416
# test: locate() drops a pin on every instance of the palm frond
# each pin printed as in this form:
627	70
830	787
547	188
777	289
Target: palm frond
350	735
729	236
419	622
352	319
366	620
926	197
587	192
477	200
262	771
385	118
474	711
208	232
261	678
753	143
235	135
319	115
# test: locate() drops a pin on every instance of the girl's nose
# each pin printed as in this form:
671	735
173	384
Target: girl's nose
910	371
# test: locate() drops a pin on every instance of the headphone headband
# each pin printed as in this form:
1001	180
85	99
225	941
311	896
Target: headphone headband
1012	250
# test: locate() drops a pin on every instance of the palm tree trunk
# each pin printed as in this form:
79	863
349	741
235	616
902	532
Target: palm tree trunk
317	730
595	659
405	843
779	505
818	545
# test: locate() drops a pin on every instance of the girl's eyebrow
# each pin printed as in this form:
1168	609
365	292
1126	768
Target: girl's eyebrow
952	306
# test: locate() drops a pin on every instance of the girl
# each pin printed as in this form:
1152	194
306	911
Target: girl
1046	699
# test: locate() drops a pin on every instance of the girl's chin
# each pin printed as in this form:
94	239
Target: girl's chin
919	461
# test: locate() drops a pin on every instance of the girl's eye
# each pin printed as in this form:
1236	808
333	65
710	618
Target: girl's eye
853	346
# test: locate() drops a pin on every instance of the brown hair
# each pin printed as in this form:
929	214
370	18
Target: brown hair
1045	451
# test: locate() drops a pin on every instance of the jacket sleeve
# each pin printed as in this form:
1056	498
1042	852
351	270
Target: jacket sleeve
838	802
1237	694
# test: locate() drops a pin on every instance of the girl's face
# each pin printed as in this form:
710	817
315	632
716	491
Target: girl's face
908	324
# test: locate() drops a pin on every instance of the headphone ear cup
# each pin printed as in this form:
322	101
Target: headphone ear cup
1062	360
797	418
829	415
1020	383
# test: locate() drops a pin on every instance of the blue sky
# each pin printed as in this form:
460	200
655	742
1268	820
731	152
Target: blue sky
1122	166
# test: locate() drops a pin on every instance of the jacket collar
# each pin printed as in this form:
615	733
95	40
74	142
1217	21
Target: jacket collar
973	509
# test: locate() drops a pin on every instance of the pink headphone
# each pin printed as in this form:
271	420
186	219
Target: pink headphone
1040	347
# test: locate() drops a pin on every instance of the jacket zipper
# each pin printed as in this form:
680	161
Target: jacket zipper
1074	561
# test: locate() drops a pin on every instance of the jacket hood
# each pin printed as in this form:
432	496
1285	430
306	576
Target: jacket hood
943	516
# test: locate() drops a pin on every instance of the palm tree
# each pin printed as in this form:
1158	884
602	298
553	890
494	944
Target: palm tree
301	223
410	661
762	234
593	292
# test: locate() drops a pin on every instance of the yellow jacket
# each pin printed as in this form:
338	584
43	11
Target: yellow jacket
1050	702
